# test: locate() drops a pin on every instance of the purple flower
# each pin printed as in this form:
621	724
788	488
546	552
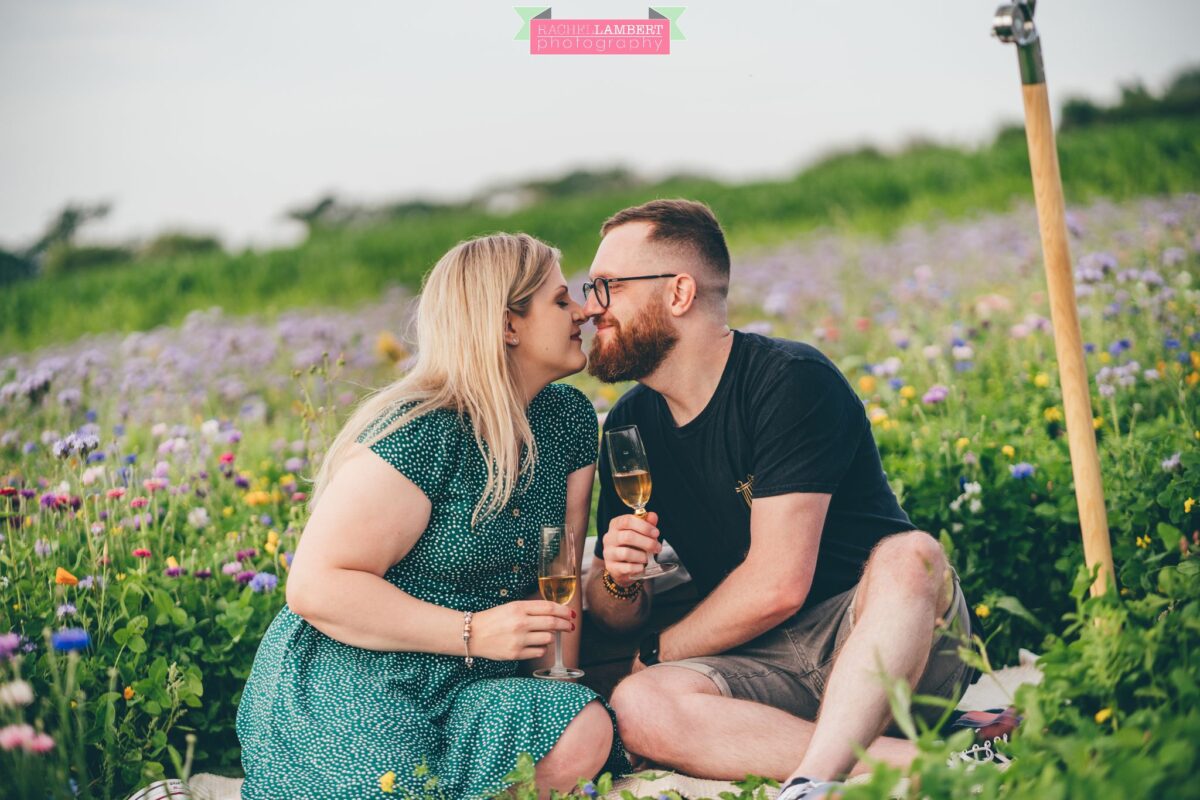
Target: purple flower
589	789
65	610
9	644
936	394
42	548
173	572
251	552
264	582
241	482
1171	343
1021	470
202	574
69	639
86	581
245	576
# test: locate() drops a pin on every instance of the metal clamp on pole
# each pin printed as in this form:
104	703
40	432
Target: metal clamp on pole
1013	23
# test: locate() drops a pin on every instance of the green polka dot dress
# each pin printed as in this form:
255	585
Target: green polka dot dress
321	719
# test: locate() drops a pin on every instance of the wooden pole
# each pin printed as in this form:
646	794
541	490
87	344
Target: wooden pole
1068	340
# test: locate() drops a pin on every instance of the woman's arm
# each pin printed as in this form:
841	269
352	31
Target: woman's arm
368	519
579	505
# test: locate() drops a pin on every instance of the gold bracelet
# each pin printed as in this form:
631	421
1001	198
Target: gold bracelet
621	593
466	636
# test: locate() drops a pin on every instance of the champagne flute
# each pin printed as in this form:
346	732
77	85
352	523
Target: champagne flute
631	478
558	579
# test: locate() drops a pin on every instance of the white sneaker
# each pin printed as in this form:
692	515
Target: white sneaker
985	753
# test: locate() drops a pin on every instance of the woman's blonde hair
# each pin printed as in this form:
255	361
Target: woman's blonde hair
462	362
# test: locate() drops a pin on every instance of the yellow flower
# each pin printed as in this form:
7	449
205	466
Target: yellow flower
265	464
1052	414
171	562
387	782
389	347
1193	378
1196	359
120	576
1103	715
1143	542
1097	423
1008	451
982	611
258	498
288	478
270	547
908	392
1105	357
1188	505
877	415
1041	380
232	536
227	511
64	578
866	384
283	561
961	442
273	537
129	693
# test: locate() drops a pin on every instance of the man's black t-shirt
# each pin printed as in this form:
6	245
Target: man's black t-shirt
783	419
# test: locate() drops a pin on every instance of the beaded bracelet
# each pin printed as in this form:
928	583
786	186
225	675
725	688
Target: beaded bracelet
621	593
466	636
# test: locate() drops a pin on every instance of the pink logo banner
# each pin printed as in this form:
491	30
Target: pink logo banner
598	37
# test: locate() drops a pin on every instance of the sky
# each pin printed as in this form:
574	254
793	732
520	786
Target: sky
217	116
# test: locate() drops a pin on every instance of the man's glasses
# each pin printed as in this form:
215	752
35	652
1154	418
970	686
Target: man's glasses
600	286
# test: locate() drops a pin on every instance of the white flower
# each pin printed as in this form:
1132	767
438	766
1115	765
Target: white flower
975	506
210	428
159	430
963	352
198	518
17	693
972	488
931	351
91	475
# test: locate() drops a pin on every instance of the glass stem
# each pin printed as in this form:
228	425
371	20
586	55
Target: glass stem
558	662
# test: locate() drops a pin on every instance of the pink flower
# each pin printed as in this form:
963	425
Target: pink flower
154	484
41	743
141	552
115	494
14	736
299	497
139	502
227	457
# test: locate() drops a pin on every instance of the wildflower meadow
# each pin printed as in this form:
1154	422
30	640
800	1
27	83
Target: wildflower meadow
153	486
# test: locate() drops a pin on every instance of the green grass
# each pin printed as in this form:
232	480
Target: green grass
857	192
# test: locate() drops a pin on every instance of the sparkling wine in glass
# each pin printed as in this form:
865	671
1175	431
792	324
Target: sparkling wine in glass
558	580
631	478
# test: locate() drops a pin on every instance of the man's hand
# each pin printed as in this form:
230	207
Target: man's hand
628	545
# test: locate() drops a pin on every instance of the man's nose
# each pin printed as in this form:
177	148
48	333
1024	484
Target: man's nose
592	307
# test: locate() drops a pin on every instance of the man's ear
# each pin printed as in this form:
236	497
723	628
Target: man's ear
683	292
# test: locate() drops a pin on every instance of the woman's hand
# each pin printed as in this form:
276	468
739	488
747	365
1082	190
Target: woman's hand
628	545
518	630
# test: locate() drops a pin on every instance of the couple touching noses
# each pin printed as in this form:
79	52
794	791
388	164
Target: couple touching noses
412	620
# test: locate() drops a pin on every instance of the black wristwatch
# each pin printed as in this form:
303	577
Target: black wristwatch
648	649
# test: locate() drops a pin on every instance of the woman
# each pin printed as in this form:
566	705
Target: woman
429	505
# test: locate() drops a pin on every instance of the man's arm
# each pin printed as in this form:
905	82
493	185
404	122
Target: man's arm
768	587
627	546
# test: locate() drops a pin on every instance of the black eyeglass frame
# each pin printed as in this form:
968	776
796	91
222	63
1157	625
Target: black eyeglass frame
603	297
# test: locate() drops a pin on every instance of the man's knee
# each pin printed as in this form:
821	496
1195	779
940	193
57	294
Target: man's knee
914	563
647	706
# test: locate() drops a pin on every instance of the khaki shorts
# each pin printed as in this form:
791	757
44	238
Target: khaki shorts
788	666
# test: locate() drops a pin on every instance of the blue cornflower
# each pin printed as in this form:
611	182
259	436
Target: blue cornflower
264	582
1171	343
1022	470
69	639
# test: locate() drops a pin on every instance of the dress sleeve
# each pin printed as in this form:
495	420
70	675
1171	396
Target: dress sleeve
425	450
808	425
583	430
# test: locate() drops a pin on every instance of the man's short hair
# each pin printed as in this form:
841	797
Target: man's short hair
687	224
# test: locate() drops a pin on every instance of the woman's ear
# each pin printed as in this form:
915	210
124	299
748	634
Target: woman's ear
510	333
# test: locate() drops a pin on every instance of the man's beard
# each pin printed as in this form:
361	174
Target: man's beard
637	349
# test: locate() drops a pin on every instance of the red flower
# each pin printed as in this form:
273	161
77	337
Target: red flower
227	457
7	491
139	502
115	494
141	552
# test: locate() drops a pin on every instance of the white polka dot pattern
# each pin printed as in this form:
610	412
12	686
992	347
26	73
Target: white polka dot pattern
321	719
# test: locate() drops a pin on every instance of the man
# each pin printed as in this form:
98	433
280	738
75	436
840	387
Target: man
768	484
